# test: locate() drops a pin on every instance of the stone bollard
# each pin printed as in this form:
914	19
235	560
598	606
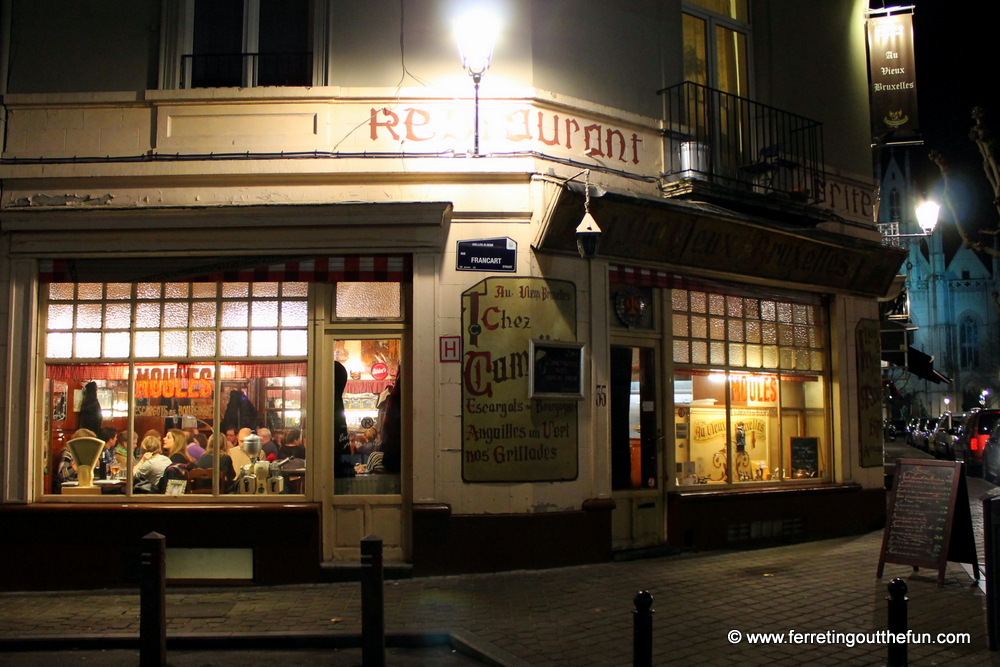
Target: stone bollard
153	602
897	622
642	630
372	603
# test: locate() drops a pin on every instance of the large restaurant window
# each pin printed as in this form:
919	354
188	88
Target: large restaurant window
749	389
172	378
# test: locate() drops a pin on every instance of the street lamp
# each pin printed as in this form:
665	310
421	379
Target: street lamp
588	233
927	218
927	215
476	33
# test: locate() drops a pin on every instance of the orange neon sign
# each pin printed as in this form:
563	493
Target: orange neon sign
172	383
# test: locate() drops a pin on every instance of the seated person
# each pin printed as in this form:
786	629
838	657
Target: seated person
293	447
66	464
124	440
207	460
237	454
175	444
196	445
109	434
150	467
374	464
268	448
138	448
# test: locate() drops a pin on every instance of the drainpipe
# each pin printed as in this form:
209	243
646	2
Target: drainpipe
5	19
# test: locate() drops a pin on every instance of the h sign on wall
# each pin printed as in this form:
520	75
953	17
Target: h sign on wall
450	349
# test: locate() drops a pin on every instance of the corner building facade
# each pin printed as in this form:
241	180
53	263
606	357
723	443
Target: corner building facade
297	235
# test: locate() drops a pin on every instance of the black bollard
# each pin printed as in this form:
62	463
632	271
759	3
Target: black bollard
153	602
991	542
372	603
897	622
642	630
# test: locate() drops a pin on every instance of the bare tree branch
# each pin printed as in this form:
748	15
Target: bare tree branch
944	166
983	138
980	135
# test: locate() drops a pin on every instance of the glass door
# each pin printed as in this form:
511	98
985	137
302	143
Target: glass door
365	434
366	413
634	430
635	447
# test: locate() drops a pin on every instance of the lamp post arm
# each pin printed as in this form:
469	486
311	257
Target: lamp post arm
476	78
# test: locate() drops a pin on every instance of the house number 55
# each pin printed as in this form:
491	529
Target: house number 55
601	395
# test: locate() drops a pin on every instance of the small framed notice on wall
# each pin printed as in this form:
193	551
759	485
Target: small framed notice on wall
556	369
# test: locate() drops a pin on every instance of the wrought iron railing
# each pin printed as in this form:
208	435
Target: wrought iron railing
890	234
221	70
735	142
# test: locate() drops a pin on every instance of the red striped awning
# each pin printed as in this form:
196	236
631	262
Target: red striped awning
353	268
53	271
370	268
633	275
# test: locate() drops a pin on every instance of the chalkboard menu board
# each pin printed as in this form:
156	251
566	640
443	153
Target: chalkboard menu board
929	520
556	369
805	457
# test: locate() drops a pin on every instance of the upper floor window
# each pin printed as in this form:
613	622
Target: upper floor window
895	206
249	43
716	33
244	43
968	343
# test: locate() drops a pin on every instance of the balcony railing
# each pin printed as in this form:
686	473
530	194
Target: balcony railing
222	70
736	143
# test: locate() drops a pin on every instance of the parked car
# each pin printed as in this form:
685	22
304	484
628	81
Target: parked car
943	441
911	430
972	436
895	428
991	456
924	436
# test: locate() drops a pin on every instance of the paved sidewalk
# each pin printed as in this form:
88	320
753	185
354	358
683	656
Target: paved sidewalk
569	617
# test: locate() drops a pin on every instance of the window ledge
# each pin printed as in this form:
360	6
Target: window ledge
771	489
118	506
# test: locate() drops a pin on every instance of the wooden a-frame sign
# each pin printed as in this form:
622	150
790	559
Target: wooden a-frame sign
929	520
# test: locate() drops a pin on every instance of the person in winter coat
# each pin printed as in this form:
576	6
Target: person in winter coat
240	412
90	409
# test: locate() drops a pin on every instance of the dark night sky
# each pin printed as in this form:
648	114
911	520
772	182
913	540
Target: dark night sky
957	69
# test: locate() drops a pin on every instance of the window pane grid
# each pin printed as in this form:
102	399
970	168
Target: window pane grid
176	320
776	334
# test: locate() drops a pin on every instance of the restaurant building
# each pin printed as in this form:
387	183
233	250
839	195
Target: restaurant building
306	217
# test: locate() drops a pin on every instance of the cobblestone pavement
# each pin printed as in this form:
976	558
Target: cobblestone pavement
581	616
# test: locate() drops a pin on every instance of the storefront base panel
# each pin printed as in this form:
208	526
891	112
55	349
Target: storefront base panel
445	543
61	547
738	519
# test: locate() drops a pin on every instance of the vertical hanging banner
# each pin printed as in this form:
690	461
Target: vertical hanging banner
508	436
868	351
893	79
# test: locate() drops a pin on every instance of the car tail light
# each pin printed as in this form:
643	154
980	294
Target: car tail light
979	442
